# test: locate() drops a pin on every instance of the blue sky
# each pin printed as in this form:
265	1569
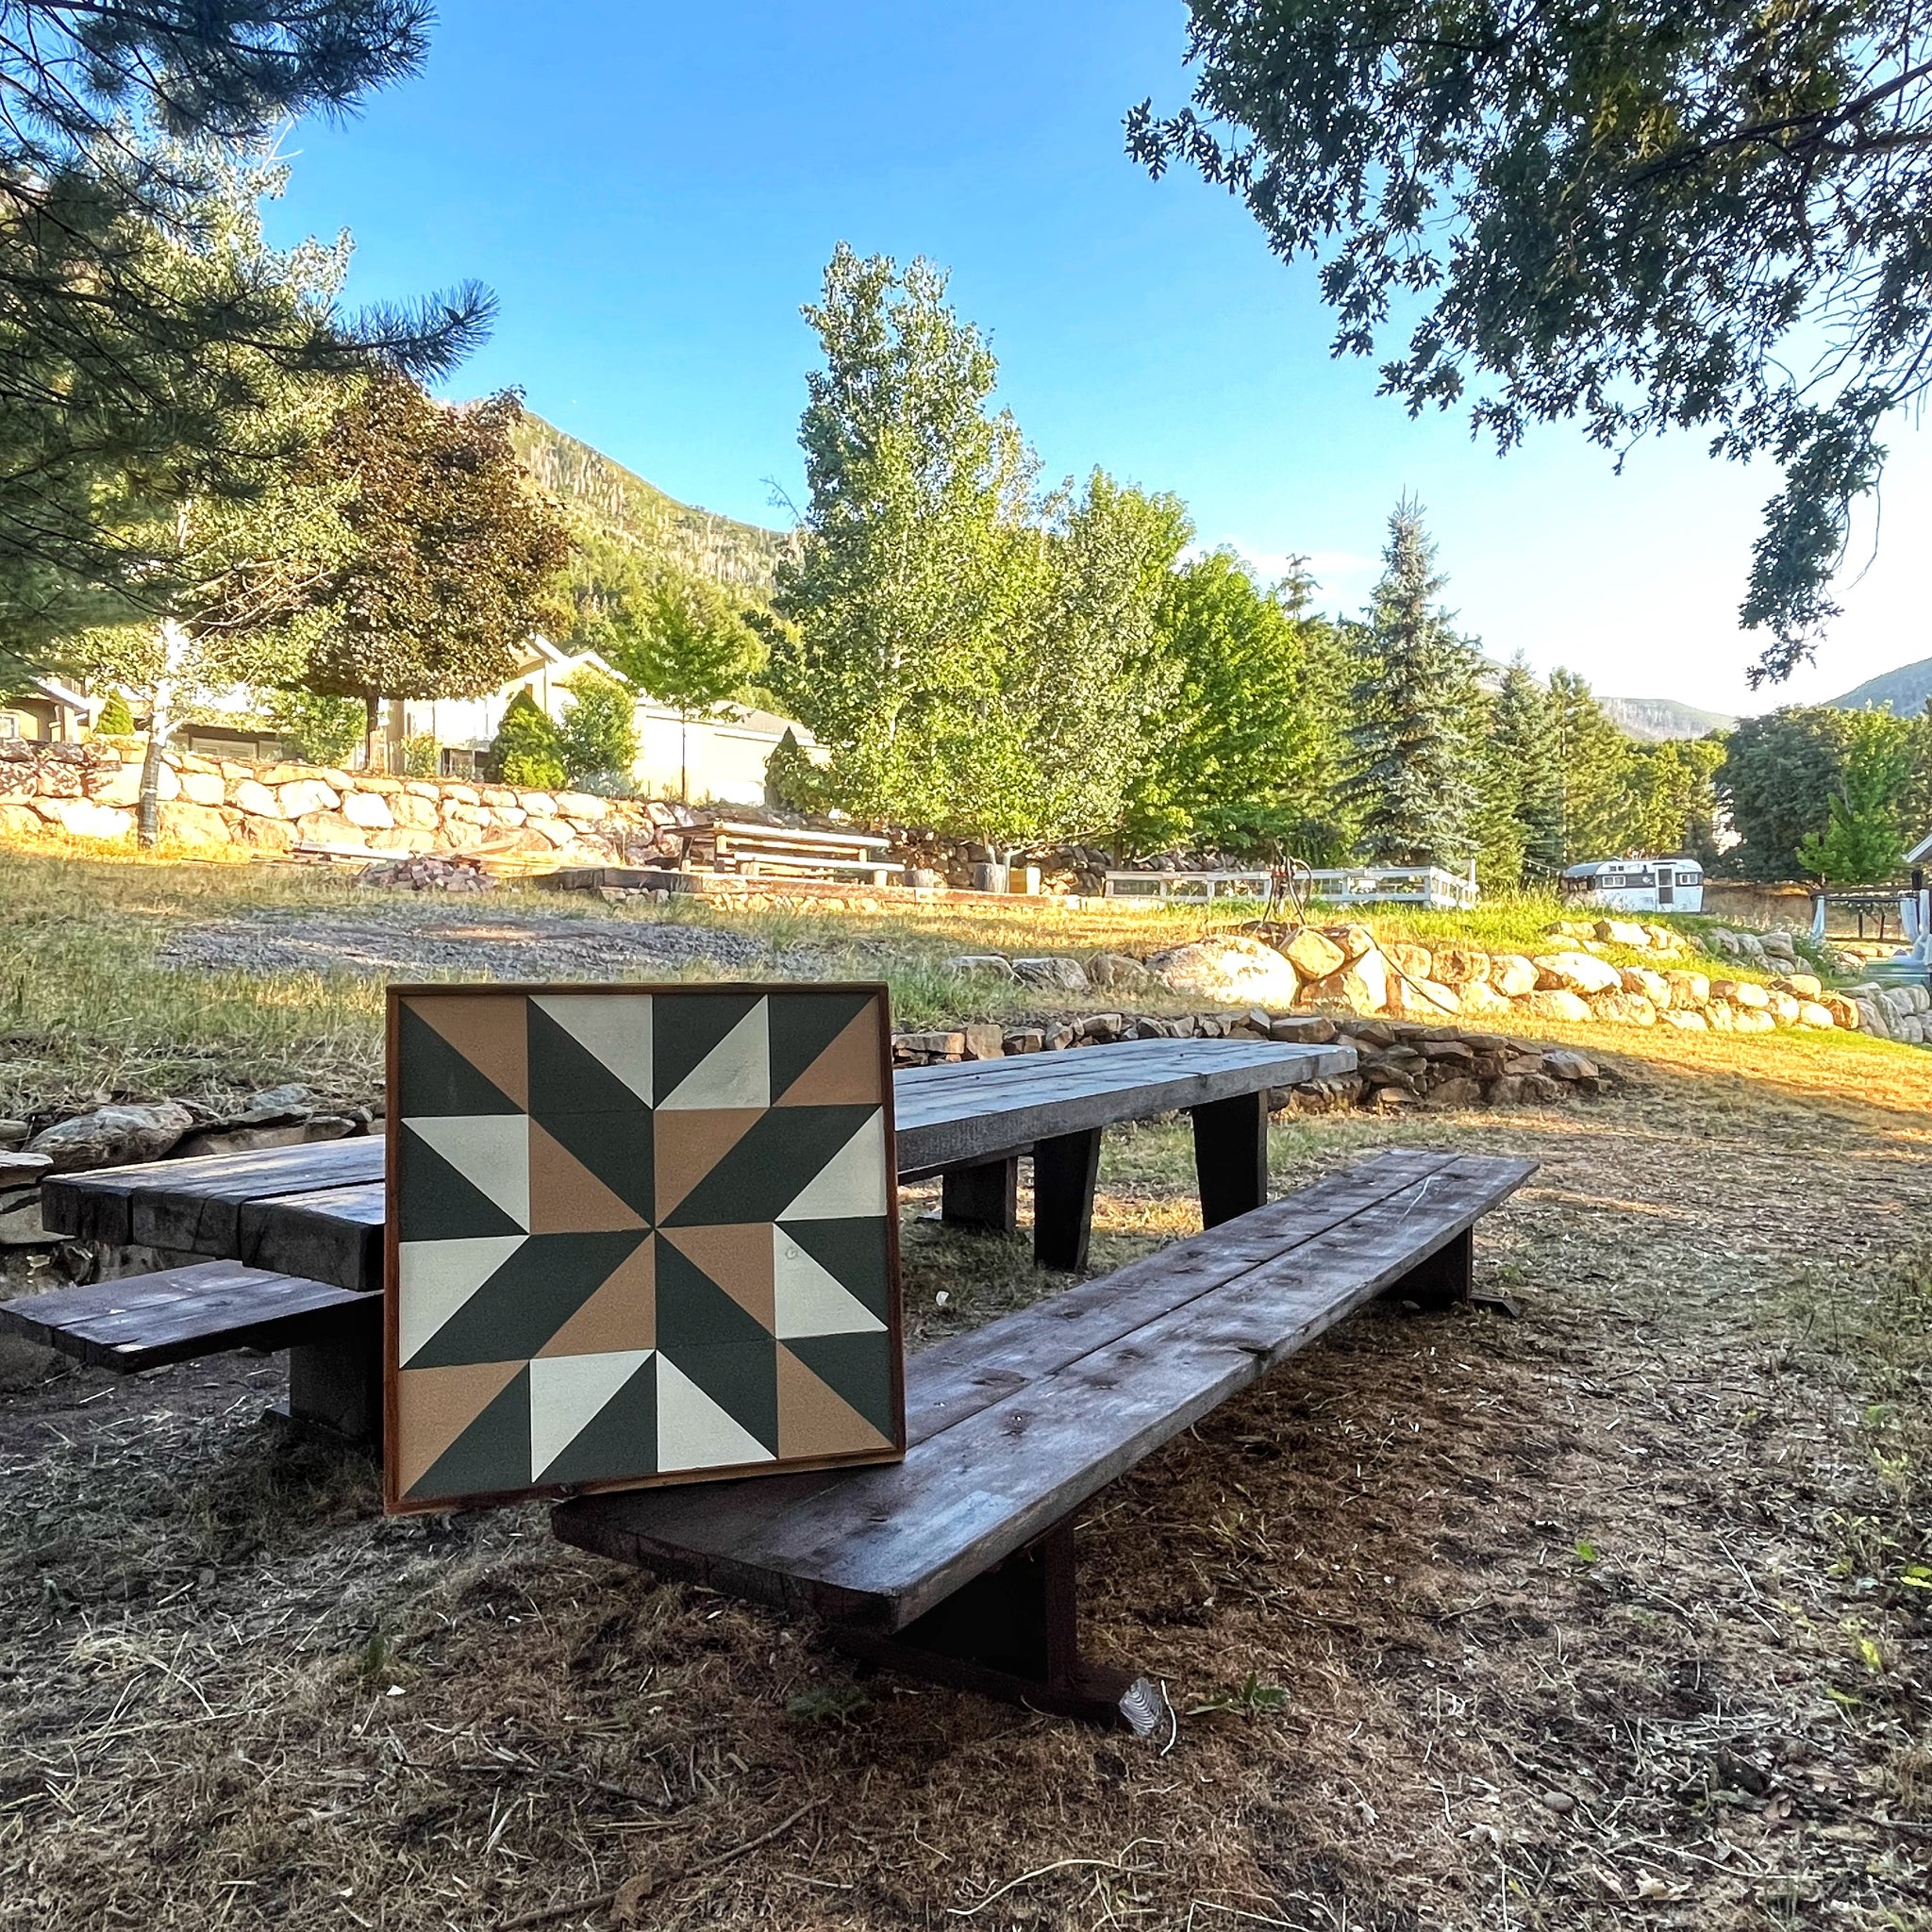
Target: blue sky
653	191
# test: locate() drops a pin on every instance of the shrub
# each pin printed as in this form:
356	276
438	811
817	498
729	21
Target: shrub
526	750
422	756
318	730
116	720
598	733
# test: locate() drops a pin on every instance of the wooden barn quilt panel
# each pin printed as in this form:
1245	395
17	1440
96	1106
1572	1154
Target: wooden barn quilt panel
637	1234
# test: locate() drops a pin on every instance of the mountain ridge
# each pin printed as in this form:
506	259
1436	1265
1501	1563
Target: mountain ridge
1901	692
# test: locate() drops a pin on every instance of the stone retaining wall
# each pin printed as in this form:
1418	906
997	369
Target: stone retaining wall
92	792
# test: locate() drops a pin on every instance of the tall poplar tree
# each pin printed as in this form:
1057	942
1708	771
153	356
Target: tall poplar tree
1413	778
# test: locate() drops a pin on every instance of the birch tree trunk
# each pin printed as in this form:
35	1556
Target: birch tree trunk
161	727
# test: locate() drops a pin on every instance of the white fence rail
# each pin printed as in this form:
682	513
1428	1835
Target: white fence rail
1415	884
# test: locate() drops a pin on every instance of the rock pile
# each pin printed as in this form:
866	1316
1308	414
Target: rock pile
429	872
90	791
1894	1012
1401	1063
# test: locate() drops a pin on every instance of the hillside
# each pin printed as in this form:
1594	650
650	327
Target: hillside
621	505
1903	690
1650	720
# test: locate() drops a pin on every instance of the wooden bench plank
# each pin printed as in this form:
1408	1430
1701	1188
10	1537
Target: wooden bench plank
181	1313
882	1546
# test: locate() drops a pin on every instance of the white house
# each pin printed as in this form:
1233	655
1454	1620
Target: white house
710	760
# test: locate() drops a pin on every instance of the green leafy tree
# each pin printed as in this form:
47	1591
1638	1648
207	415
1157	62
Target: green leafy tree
1648	217
1675	797
120	388
1414	772
1242	758
1864	842
598	736
1780	773
318	730
527	750
453	560
915	558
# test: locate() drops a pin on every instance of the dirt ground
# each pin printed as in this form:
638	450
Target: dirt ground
1614	1615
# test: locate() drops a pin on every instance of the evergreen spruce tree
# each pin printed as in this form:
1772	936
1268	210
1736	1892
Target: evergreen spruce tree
1520	760
1598	803
1414	776
116	720
526	750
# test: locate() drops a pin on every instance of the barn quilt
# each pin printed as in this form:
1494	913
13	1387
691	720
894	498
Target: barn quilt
637	1234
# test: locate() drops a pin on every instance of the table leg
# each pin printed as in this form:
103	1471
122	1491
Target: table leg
1064	1170
1448	1276
335	1383
1231	1157
986	1197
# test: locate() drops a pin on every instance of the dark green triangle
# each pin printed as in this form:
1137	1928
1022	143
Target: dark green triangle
685	1026
860	1368
492	1455
692	1311
620	1441
577	1100
438	1204
528	1299
436	1079
770	1167
803	1025
854	1253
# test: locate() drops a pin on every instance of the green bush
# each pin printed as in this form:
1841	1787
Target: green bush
526	750
116	720
422	756
598	734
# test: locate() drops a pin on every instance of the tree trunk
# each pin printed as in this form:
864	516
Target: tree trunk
161	727
375	751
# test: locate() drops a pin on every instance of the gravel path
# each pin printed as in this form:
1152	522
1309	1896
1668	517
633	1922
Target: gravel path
487	942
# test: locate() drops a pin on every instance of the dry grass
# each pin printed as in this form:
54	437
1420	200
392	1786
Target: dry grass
1612	1616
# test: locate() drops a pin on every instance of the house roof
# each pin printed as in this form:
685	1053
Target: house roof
62	694
1597	865
1921	851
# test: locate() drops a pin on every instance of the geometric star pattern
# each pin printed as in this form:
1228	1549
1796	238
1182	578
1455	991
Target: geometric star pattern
637	1235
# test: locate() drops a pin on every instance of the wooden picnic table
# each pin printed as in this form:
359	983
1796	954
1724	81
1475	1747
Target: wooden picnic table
317	1211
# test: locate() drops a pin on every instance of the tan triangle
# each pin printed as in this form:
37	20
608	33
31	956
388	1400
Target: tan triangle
739	1259
566	1197
815	1419
490	1030
847	1073
435	1405
623	1314
688	1145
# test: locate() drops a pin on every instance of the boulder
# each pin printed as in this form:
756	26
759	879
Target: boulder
539	805
1685	1019
1065	975
305	796
19	1170
1623	932
1844	1013
1361	986
265	835
1024	1040
1741	993
1753	1019
1116	968
114	1136
369	809
1525	1090
328	828
1565	1063
1801	985
1459	966
1577	972
241	1140
15	1133
459	794
1623	1009
576	805
1688	989
1356	942
1783	1007
253	797
82	818
1462	1089
984	1041
1421	999
1411	962
1647	984
1554	1002
203	788
1817	1015
121	785
994	963
21	822
1231	970
1303	1030
1512	975
1478	998
408	809
182	824
1313	954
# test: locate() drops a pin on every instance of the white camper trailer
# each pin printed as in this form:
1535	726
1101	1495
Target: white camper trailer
1639	885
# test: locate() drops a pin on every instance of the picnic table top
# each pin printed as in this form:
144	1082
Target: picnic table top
318	1210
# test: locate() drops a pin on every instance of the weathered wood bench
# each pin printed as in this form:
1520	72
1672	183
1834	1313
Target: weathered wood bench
333	1335
758	850
957	1564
